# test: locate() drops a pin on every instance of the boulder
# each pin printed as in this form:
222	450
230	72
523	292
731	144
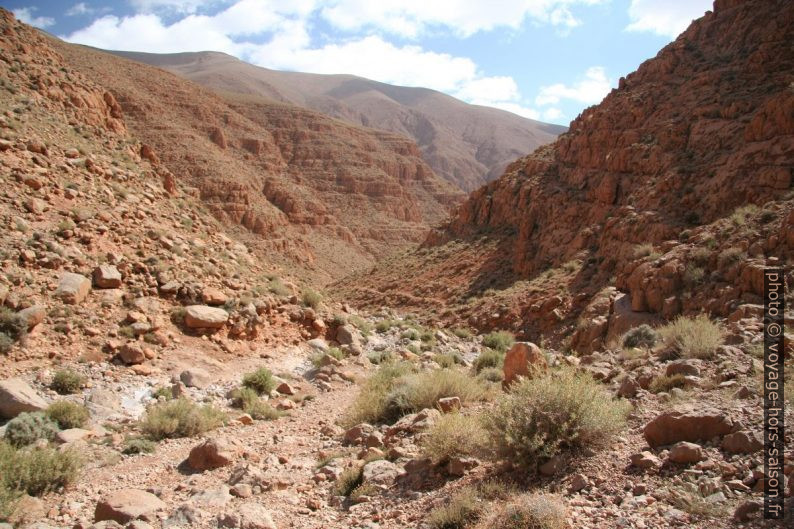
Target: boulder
213	296
682	367
524	359
126	505
346	335
686	453
195	377
204	317
32	316
381	472
16	397
696	425
212	453
73	288
318	344
107	276
742	443
132	353
250	515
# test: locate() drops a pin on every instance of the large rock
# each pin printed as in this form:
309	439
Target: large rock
73	288
674	426
204	317
524	359
685	453
250	515
107	276
346	335
126	505
742	443
381	472
32	316
195	377
132	353
212	453
16	397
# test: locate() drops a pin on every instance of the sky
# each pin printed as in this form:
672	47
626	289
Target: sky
542	59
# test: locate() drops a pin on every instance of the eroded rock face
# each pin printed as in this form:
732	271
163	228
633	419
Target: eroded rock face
699	425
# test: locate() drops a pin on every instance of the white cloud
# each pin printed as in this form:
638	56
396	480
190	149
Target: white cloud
25	14
589	90
410	18
80	9
665	17
278	34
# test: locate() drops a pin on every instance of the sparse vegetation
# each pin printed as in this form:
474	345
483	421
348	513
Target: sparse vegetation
248	400
179	418
646	250
277	287
12	329
348	481
417	391
696	337
260	381
455	435
334	352
462	509
462	332
641	336
528	511
491	374
489	358
666	383
370	404
66	382
730	257
563	410
162	392
311	298
68	414
499	341
27	428
138	445
35	470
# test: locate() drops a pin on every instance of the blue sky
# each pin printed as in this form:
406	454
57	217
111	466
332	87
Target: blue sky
544	59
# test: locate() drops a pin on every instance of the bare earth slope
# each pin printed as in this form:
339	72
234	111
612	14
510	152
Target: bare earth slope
675	189
467	145
321	193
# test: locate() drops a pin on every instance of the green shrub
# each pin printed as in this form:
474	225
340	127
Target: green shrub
311	298
334	352
454	435
491	374
489	358
365	489
164	392
666	383
447	360
641	336
37	470
12	329
277	287
499	340
370	404
179	418
462	333
410	334
362	325
68	414
529	511
384	325
462	509
248	400
138	445
696	337
379	357
260	381
348	480
417	391
562	410
66	382
27	428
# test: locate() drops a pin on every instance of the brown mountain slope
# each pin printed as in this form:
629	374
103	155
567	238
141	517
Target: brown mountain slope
327	195
675	189
468	145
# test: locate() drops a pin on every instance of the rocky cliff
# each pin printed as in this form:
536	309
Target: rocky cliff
675	190
320	193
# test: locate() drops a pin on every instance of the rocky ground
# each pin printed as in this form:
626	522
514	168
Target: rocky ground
122	294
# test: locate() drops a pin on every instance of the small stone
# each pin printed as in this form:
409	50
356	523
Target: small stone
107	276
686	453
73	288
195	377
645	460
212	453
449	404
